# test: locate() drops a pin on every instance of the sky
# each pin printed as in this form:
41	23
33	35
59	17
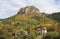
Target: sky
11	7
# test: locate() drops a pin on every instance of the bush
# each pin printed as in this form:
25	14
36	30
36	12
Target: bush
51	35
2	37
32	35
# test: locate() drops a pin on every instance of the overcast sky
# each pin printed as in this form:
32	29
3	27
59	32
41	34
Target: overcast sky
11	7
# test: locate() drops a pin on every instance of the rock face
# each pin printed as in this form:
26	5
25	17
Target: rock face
28	10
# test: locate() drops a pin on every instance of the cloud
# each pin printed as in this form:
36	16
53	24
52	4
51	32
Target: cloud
47	6
11	7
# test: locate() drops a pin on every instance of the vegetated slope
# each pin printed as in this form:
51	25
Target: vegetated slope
28	18
25	18
55	16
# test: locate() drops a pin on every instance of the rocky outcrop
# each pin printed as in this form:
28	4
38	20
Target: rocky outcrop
28	10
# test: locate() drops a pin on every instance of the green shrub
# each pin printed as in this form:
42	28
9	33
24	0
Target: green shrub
2	37
51	35
32	35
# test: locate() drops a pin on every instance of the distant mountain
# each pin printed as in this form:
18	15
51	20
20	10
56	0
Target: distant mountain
55	16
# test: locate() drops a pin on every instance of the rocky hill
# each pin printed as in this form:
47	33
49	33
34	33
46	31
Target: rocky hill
28	10
28	18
